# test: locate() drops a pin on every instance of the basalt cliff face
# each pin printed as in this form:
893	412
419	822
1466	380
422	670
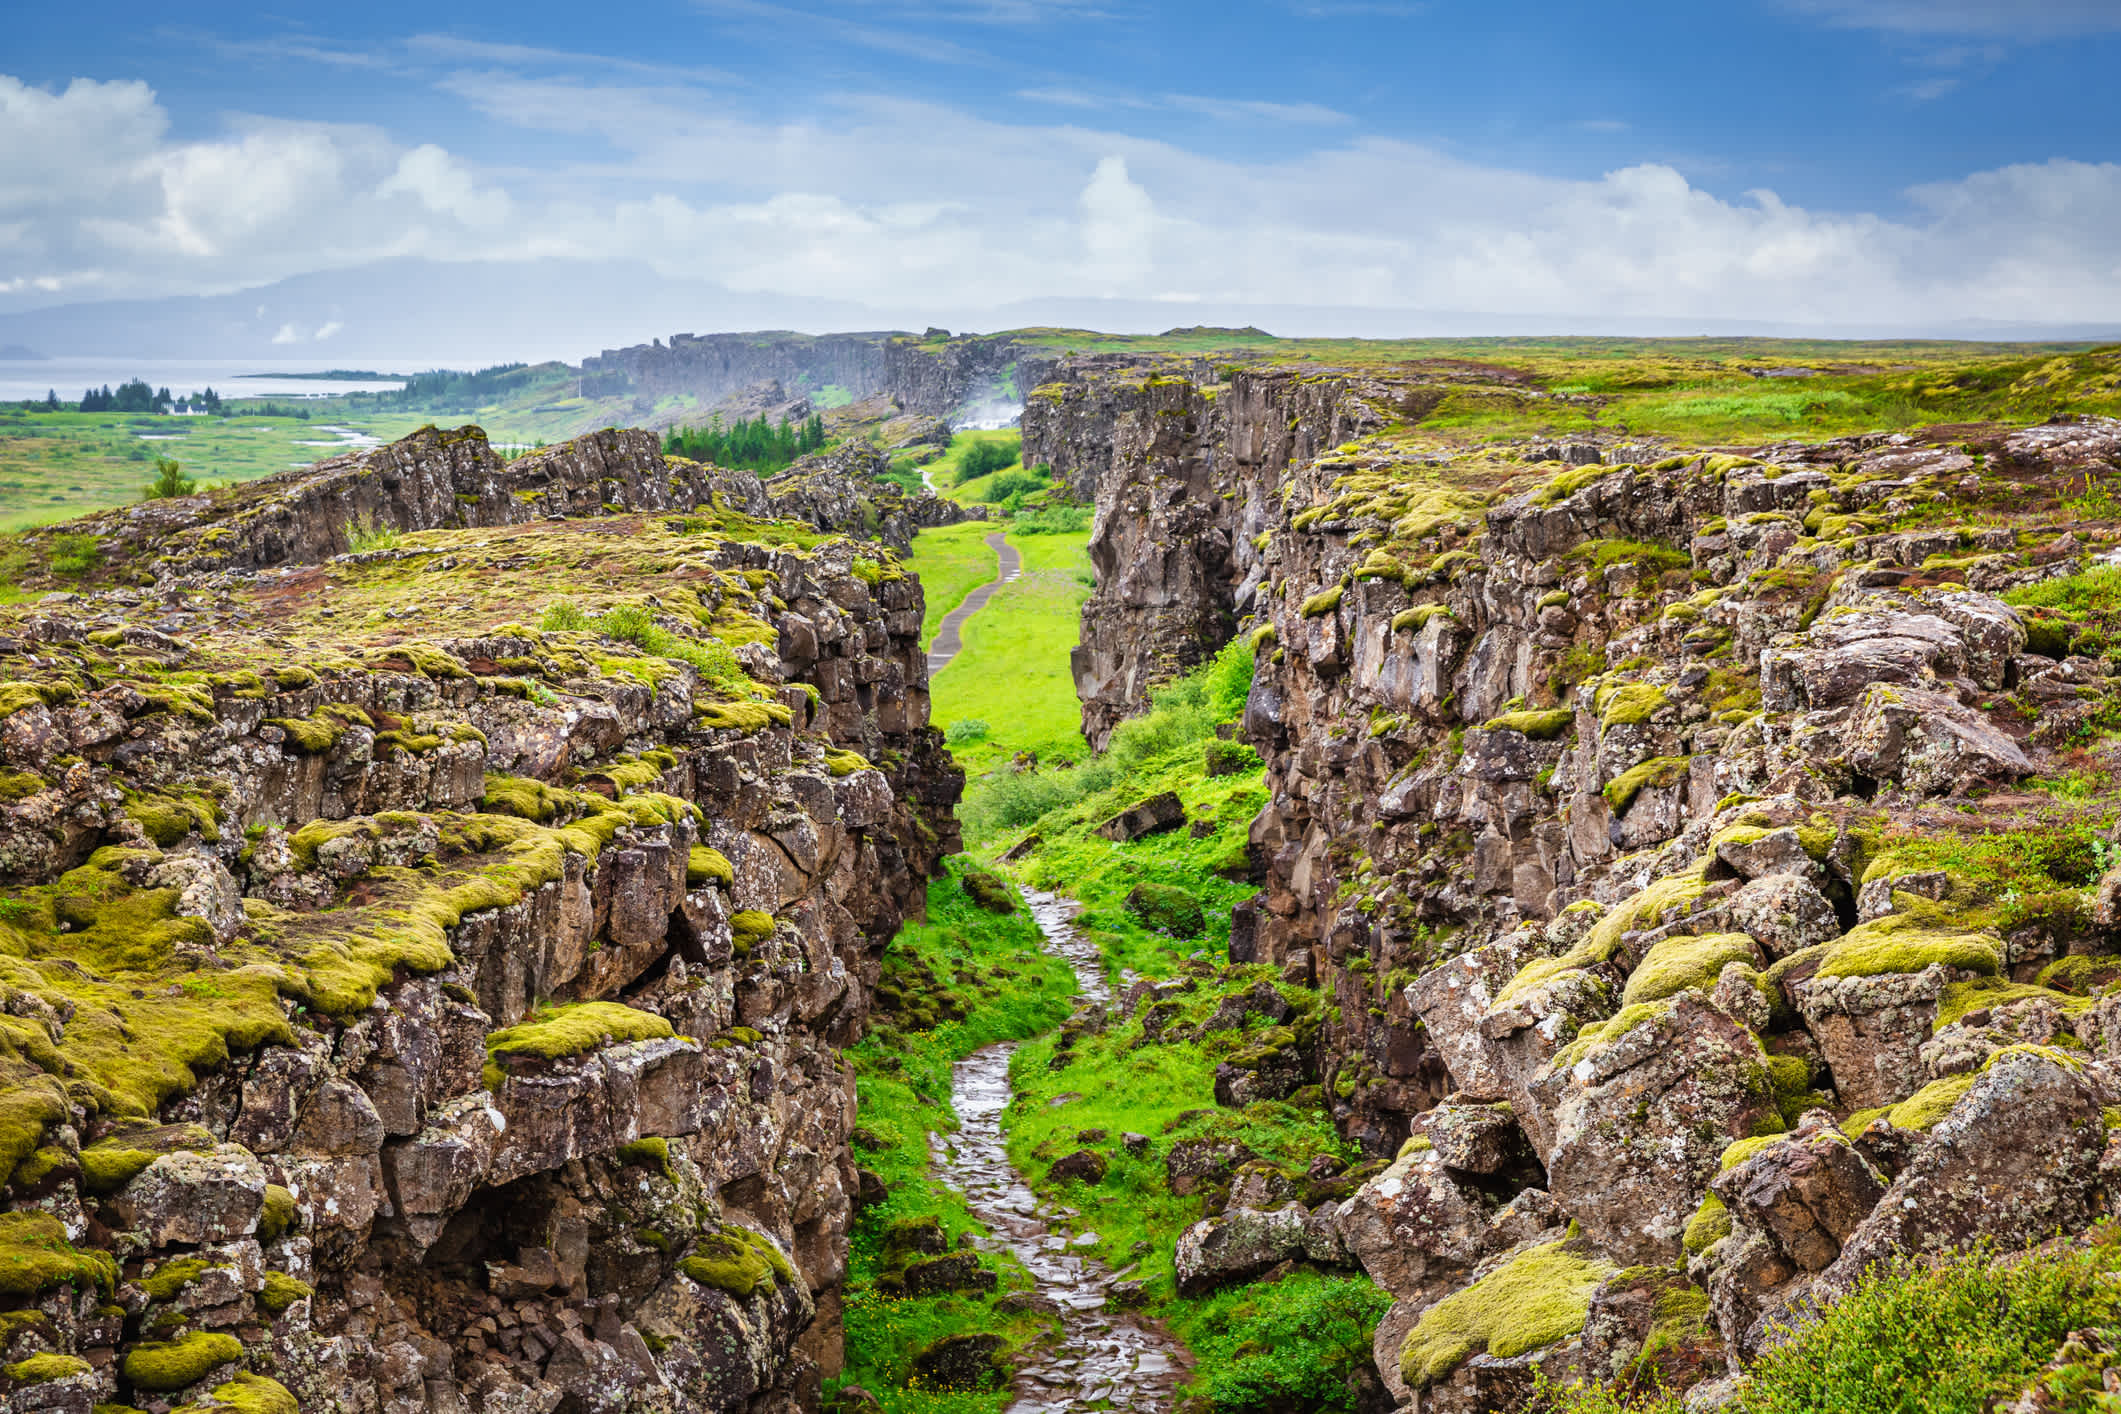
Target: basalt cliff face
415	1009
1665	830
935	375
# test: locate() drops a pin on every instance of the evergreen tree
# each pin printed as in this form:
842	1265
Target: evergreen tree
51	400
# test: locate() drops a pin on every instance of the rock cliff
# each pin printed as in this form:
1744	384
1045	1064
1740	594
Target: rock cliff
1721	820
424	967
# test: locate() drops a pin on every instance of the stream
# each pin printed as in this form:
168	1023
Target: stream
1105	1359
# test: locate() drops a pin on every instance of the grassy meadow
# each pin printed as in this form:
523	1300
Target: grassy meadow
1009	689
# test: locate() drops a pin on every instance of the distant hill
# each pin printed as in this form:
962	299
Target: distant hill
19	353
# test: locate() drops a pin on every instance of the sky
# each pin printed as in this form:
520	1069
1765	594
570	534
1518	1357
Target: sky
1813	162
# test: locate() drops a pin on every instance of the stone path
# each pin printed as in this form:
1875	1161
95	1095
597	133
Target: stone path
1105	1359
947	639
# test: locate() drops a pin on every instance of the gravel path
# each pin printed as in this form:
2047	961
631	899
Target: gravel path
947	640
1104	1360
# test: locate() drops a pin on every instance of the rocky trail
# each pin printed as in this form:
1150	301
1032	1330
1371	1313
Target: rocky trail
948	638
1105	1360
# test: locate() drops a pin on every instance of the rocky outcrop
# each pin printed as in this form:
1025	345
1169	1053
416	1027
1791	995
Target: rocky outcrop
421	1009
1665	803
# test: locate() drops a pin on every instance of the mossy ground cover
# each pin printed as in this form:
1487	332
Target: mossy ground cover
966	978
952	561
1012	674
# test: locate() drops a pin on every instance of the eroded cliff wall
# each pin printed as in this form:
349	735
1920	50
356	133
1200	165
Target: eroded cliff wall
424	1010
1640	812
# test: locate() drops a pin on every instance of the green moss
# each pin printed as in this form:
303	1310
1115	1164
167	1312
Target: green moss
844	763
312	735
282	1291
738	1261
1324	602
19	785
1908	942
1417	618
1741	1150
1643	910
1627	704
173	1364
172	1277
1539	726
278	1214
569	1031
168	818
1569	482
35	1257
1677	963
709	866
651	1153
1659	771
746	717
527	799
43	1369
750	927
1540	1296
1920	1111
1710	1224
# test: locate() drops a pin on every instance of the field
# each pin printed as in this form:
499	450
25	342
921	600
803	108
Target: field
1012	676
55	465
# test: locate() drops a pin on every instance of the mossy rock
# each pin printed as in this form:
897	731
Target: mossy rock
708	866
988	891
749	927
36	1257
1167	909
1539	726
282	1291
738	1261
248	1394
164	1365
570	1031
43	1369
1538	1297
278	1215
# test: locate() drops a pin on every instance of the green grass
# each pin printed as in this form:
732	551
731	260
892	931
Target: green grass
952	561
987	968
1013	670
56	465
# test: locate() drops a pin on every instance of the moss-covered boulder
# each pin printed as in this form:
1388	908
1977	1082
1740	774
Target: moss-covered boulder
1167	909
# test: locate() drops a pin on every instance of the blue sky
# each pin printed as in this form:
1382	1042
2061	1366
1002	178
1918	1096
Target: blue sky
1881	158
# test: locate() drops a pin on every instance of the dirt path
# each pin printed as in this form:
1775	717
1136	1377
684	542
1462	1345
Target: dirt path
947	640
1104	1360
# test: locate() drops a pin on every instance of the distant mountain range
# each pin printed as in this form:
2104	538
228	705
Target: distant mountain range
18	353
400	312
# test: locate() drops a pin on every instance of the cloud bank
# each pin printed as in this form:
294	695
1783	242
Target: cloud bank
905	205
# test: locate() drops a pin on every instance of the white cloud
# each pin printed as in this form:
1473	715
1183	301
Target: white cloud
911	206
328	328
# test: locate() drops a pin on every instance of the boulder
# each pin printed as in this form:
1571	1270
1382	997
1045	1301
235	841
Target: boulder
1778	851
1642	1115
195	1198
1417	1228
1791	1206
1525	1032
1784	912
1193	1164
1166	909
1928	742
1152	816
1872	1030
2015	1161
1082	1166
963	1362
1451	1000
961	1271
1476	1139
1241	1243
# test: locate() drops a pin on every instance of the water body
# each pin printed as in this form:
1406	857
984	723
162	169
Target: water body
1106	1359
231	378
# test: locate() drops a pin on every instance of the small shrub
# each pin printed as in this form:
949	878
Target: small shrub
966	731
987	457
1053	520
170	481
363	537
75	555
1951	1338
563	616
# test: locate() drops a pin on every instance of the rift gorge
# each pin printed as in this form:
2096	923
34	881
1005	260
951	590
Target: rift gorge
1299	875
